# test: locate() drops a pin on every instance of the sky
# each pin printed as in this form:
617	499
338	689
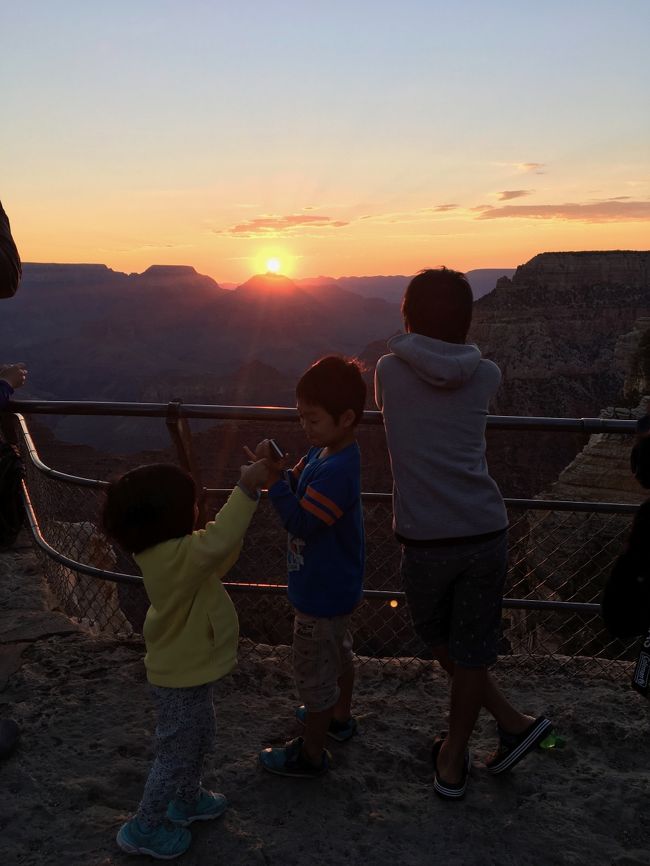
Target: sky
347	137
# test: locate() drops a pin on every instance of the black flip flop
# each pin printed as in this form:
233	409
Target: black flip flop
449	790
514	747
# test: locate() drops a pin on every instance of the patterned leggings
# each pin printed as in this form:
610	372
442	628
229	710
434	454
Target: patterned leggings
184	734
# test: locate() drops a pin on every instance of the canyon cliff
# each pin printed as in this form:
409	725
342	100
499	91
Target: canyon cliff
554	329
568	555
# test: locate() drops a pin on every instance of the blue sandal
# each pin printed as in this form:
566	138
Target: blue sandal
339	731
289	761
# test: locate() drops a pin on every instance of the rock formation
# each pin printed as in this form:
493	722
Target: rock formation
568	555
553	330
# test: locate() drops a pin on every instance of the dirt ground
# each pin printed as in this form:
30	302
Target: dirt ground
87	724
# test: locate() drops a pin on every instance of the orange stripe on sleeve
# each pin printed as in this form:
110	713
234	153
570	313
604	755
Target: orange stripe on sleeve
332	506
317	512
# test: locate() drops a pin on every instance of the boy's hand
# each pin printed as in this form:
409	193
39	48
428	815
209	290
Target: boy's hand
263	449
14	374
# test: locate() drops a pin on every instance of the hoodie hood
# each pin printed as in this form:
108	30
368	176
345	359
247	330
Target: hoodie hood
444	365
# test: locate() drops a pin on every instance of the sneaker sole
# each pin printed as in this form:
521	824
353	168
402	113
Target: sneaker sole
134	849
187	821
536	735
289	774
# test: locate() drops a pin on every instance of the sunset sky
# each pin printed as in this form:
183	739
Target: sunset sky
341	137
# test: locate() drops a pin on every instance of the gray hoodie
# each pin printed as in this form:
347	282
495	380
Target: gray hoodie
434	397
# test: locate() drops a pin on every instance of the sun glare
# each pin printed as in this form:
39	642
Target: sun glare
273	266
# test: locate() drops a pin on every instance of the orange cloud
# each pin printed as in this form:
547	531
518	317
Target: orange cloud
443	208
599	212
507	194
273	225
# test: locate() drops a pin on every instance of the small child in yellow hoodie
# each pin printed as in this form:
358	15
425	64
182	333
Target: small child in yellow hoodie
191	632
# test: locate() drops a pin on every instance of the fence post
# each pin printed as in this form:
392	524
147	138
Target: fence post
181	435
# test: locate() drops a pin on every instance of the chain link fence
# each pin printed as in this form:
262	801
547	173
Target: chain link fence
559	558
555	556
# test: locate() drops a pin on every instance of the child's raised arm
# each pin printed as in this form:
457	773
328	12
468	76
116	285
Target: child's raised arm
217	547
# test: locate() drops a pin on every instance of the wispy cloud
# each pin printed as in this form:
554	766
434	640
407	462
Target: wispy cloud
531	167
443	208
598	212
272	225
507	194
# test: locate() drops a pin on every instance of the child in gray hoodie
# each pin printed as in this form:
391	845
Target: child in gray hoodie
449	516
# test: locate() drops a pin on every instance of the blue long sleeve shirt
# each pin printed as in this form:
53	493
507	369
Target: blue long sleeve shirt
319	503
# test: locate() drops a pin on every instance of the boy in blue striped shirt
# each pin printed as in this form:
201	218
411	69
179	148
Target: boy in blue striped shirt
319	504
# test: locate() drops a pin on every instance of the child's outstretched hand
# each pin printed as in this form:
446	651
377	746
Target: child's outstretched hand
254	476
276	465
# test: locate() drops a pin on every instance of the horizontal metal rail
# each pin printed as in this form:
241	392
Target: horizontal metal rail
520	504
266	588
285	413
278	588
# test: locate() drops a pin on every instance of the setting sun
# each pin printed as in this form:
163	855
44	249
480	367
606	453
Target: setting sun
273	266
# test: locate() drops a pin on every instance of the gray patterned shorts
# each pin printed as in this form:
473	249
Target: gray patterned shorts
455	595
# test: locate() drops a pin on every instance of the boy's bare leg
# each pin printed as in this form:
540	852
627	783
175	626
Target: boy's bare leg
316	727
495	702
471	689
343	707
317	724
467	689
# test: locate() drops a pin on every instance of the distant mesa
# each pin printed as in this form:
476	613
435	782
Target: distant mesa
270	284
175	275
169	271
585	269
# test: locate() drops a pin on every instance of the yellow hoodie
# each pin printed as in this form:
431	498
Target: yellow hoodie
191	629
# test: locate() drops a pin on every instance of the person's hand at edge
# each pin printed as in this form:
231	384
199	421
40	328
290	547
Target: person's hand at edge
14	375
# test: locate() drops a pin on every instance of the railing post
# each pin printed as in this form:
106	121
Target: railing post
181	435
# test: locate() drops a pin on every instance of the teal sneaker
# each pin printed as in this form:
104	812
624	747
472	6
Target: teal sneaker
339	731
164	842
207	807
289	761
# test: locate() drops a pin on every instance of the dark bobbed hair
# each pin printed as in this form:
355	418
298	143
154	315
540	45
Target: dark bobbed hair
438	303
149	505
335	384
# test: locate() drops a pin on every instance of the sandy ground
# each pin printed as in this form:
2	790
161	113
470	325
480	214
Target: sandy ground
87	725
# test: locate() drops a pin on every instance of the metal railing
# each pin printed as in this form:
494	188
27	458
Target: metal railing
560	550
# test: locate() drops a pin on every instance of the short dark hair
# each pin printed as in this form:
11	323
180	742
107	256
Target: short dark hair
438	303
335	384
149	505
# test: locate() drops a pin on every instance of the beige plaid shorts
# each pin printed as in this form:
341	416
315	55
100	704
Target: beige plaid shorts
322	652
